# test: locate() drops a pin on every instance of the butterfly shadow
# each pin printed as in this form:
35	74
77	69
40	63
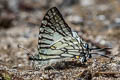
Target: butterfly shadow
66	65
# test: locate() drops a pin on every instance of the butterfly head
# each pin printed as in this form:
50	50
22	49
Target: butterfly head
88	50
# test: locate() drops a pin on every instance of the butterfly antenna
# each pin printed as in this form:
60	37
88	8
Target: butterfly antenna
103	49
99	49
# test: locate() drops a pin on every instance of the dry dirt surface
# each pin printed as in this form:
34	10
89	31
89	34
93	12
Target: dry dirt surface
96	21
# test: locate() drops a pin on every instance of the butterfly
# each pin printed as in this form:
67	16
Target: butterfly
58	41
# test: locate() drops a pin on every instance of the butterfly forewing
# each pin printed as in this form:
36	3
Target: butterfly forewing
52	28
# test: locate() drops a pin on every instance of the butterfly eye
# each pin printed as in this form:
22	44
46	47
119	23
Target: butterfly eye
86	46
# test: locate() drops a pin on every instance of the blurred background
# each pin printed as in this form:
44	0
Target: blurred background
97	21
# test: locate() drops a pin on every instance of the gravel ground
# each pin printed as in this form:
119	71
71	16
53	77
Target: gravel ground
97	22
